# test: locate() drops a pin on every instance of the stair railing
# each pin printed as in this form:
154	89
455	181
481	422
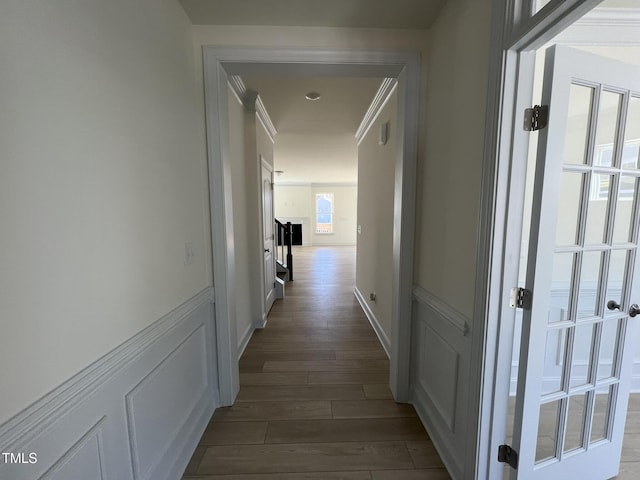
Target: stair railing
285	239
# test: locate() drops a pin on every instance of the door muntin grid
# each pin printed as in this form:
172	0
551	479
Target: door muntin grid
595	248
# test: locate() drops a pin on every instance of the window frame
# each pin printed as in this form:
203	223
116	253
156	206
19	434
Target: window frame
317	231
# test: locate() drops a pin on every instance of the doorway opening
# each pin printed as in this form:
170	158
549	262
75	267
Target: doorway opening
220	64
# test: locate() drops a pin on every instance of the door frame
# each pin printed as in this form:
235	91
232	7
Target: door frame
266	165
516	34
219	64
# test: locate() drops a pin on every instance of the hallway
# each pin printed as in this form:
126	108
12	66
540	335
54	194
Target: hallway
314	401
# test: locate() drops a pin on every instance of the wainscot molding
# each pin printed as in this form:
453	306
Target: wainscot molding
373	320
440	371
446	311
130	415
377	104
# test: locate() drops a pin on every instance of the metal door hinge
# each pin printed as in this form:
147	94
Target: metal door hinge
536	118
508	455
520	298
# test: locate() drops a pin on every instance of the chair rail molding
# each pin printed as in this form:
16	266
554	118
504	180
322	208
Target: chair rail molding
81	429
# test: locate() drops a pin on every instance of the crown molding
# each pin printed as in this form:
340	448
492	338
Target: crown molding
253	103
238	87
377	104
265	119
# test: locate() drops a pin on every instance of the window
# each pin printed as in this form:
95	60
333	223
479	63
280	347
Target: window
603	157
324	213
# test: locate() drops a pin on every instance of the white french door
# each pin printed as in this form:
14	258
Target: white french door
579	336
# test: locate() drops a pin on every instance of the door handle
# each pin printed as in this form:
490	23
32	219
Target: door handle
634	310
612	305
266	250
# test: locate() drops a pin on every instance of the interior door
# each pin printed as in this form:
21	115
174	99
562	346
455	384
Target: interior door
578	337
268	228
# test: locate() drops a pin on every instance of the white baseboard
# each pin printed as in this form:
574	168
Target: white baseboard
373	320
132	414
244	340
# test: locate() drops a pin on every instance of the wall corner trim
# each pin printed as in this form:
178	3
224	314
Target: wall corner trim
377	104
446	311
373	320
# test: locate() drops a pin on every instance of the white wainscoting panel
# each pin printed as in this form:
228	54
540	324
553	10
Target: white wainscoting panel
137	413
440	375
83	459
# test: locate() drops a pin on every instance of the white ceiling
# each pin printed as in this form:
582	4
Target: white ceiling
343	102
315	141
418	14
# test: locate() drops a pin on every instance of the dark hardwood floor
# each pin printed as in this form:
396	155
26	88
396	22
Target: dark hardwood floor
314	402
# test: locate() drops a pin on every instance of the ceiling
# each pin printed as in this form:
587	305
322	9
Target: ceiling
411	14
316	140
343	102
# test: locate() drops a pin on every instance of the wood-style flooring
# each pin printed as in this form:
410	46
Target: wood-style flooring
314	402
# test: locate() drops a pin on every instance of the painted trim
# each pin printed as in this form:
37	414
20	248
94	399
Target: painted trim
31	422
244	341
373	320
85	424
238	86
221	62
447	453
262	321
456	319
265	119
96	431
534	31
253	102
404	199
381	98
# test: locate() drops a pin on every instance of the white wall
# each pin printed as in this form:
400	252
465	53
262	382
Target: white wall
102	182
241	146
296	203
449	180
248	142
376	173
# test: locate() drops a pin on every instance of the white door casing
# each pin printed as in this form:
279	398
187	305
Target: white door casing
582	255
219	63
268	237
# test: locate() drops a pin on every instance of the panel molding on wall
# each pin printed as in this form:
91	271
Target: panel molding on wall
440	367
118	418
373	320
